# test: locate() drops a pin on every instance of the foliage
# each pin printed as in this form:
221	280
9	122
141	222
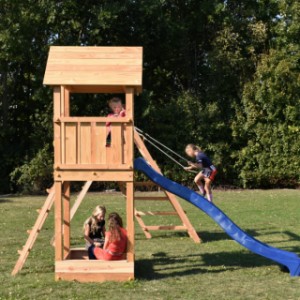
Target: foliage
214	74
35	175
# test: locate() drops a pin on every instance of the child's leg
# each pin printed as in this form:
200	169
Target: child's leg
207	188
198	181
91	252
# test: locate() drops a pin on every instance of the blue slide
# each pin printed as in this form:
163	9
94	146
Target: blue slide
288	259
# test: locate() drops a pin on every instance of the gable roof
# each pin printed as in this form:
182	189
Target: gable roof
101	66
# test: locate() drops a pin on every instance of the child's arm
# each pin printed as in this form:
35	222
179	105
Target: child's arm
86	234
194	165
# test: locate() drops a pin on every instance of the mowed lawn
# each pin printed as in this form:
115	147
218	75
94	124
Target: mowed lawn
169	266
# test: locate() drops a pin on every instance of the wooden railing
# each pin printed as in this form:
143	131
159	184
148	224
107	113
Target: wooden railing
83	143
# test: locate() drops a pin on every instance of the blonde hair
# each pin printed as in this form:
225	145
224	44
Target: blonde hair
114	227
92	220
114	100
194	147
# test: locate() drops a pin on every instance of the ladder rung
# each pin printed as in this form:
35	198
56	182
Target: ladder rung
29	231
20	252
151	198
165	228
156	213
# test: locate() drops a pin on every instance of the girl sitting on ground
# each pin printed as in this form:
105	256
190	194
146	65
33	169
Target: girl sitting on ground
94	228
115	241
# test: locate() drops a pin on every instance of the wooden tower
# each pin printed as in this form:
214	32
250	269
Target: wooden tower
80	152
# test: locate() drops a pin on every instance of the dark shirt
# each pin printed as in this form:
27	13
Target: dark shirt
202	158
98	234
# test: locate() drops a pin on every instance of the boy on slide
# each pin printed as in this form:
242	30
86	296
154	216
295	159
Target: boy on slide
207	173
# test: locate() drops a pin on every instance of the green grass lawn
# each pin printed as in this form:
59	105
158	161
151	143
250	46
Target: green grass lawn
169	266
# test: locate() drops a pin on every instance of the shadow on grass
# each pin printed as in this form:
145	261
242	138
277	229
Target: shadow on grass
3	200
163	266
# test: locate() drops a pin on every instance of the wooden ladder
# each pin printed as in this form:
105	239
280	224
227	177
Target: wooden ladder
34	232
43	214
178	211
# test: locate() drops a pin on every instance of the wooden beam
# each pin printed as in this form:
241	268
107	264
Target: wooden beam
76	204
156	213
142	224
66	218
165	227
94	270
89	175
58	220
130	220
149	198
92	119
57	128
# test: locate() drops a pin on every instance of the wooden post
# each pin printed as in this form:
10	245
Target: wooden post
128	158
58	220
57	129
67	220
130	220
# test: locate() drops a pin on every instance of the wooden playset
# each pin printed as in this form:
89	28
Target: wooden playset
81	154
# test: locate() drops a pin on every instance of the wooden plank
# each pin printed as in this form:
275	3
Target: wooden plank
166	227
67	102
66	218
63	143
70	143
156	213
142	224
94	270
73	67
93	265
87	175
85	143
57	128
96	89
109	50
78	146
94	139
100	148
127	78
130	220
62	101
93	167
58	220
128	132
94	119
80	197
95	62
151	198
116	145
95	277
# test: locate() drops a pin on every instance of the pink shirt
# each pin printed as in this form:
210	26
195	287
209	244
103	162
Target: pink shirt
120	115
